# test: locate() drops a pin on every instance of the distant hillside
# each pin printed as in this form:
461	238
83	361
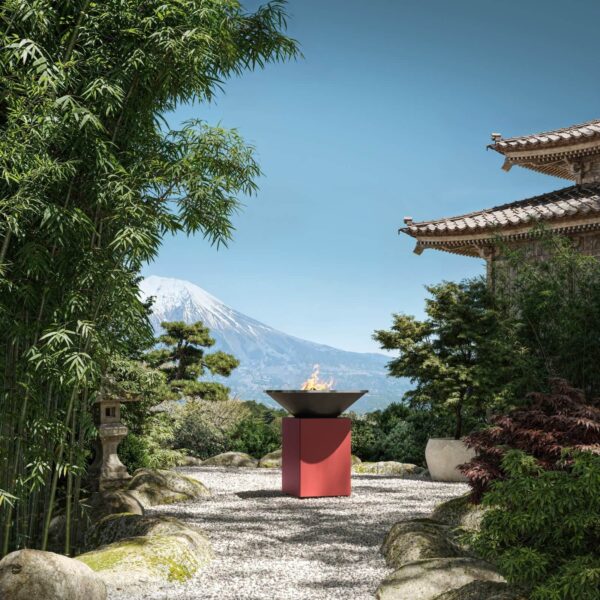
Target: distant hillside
270	358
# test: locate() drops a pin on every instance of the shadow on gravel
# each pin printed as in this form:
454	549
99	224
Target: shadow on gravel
260	494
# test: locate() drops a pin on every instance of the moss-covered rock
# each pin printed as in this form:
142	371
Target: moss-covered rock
114	528
231	459
355	460
459	512
417	539
429	579
388	467
159	486
114	502
271	460
34	574
159	557
483	590
189	461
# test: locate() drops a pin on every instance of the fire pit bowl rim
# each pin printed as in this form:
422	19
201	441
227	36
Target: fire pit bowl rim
316	403
320	391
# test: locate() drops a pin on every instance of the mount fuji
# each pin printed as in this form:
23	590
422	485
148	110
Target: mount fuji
269	359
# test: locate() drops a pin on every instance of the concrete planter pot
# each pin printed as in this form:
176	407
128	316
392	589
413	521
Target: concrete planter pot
444	455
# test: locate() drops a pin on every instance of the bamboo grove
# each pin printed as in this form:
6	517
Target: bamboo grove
91	180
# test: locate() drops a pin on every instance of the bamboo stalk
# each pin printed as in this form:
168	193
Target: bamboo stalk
75	34
4	248
54	484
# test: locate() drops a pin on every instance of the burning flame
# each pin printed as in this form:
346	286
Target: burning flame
312	384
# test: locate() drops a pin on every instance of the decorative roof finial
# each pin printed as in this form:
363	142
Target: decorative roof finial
408	220
496	137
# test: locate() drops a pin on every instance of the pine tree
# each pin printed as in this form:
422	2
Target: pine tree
462	359
183	358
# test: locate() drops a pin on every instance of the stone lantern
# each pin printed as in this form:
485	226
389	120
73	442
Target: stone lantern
107	470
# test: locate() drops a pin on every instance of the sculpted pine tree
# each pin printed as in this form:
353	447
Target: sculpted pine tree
184	359
459	356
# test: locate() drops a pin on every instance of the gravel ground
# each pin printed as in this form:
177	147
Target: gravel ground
273	547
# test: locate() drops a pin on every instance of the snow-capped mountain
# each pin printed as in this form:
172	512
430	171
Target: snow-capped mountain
269	359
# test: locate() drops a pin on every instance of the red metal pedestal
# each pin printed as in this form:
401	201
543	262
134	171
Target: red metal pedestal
316	458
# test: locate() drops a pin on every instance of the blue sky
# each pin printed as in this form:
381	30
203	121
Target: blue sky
388	114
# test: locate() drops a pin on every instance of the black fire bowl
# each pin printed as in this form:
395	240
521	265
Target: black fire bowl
315	404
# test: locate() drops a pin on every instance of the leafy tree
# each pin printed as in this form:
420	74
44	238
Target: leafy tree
92	177
543	527
184	359
554	301
463	358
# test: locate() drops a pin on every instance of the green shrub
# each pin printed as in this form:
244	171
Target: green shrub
256	437
364	436
206	427
402	443
400	433
152	449
543	527
133	452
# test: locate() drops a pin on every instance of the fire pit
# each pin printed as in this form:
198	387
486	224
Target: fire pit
316	459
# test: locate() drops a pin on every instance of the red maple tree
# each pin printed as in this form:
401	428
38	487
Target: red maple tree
545	427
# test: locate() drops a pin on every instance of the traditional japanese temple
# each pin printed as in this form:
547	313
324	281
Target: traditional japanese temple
571	153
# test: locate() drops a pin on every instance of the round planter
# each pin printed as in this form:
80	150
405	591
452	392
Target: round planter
444	455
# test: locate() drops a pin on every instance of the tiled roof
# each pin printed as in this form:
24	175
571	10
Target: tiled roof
568	203
559	137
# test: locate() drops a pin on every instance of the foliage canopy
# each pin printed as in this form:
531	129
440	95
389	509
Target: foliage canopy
544	427
91	179
183	359
543	529
554	304
463	358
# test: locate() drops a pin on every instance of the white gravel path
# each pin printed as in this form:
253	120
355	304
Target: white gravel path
273	547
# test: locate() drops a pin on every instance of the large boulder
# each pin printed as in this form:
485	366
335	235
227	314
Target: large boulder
146	558
483	590
113	502
388	467
231	459
271	460
190	461
428	579
417	539
114	528
160	486
133	548
100	504
459	512
33	575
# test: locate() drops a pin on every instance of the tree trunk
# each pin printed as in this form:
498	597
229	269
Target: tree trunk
459	422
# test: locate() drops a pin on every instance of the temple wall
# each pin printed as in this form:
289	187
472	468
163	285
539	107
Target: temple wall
590	172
